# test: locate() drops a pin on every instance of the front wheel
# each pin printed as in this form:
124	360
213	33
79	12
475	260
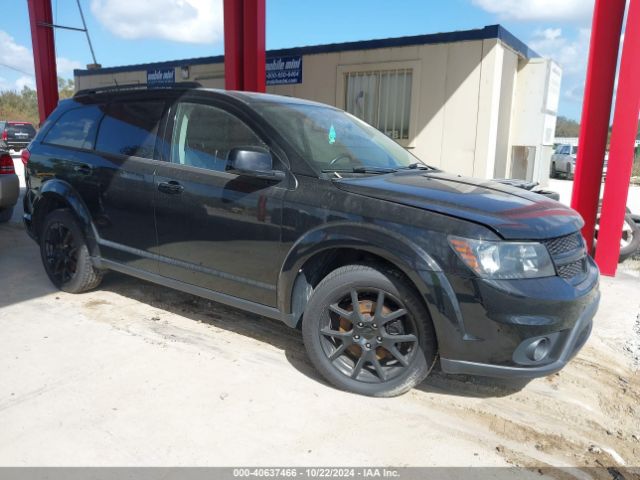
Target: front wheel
65	254
569	172
367	331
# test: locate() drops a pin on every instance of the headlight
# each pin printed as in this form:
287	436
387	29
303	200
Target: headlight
504	260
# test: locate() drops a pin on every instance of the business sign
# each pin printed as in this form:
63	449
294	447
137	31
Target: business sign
161	77
284	70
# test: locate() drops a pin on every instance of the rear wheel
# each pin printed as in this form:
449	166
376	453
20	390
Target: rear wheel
65	254
366	331
553	173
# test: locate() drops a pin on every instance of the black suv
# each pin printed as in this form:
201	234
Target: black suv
301	212
16	135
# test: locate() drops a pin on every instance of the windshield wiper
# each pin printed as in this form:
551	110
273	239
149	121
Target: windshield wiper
416	166
359	170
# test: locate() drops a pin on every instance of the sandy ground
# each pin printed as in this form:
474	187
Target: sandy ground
136	374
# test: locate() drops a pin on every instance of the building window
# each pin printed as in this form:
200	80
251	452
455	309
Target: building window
381	98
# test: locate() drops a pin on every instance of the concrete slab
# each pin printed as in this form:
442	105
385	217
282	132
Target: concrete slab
136	374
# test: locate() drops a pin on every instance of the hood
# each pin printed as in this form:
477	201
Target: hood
512	212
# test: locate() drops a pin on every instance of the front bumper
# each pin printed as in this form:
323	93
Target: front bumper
9	190
492	328
572	342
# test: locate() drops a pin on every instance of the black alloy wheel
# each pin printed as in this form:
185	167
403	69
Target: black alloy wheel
65	255
367	331
60	253
369	335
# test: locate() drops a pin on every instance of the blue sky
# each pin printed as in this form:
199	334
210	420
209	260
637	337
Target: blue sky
132	31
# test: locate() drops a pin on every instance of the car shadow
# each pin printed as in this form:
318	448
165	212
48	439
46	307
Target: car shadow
282	337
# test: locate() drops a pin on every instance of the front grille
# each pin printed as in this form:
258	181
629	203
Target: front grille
572	269
563	251
558	246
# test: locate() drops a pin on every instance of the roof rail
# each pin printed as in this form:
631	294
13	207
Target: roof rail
135	87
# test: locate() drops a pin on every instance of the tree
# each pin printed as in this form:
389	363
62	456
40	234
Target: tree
565	127
23	105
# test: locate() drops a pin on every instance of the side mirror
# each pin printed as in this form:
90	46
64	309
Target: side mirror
254	162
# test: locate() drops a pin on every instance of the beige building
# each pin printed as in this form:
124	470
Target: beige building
477	102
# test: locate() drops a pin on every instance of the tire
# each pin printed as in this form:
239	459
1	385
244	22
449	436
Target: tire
368	359
65	255
6	214
569	173
630	237
553	173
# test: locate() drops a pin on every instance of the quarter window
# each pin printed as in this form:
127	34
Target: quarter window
203	136
131	129
382	99
76	128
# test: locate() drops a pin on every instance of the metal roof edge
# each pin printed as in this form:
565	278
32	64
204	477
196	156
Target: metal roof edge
485	33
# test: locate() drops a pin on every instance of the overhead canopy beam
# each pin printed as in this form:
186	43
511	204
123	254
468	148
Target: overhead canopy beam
244	45
623	136
44	56
596	111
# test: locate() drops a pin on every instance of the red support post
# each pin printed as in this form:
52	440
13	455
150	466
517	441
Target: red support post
233	44
254	46
625	128
44	56
608	16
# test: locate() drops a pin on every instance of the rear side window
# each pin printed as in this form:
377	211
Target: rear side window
131	128
75	128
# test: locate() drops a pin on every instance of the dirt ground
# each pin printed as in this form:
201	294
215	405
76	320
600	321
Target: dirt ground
136	374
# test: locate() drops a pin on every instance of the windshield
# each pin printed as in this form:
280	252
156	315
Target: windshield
335	141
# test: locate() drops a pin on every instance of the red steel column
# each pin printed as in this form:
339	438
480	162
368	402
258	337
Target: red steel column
625	127
44	56
596	111
254	46
233	44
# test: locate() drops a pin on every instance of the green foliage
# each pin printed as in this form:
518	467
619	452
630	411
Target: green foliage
23	105
565	127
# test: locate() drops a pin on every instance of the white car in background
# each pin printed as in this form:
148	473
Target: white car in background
563	162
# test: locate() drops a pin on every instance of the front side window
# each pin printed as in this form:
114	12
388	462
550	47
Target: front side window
131	129
333	140
382	99
76	128
203	136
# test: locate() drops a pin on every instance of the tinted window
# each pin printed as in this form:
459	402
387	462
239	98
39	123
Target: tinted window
204	135
334	140
131	128
21	130
75	128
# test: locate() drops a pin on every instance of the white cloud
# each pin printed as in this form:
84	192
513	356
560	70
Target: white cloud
550	10
19	58
193	21
570	54
66	66
14	55
25	81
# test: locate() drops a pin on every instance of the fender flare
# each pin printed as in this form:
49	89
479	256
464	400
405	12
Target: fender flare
63	192
394	248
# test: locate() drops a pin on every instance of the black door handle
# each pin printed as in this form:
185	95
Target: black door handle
171	188
84	169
